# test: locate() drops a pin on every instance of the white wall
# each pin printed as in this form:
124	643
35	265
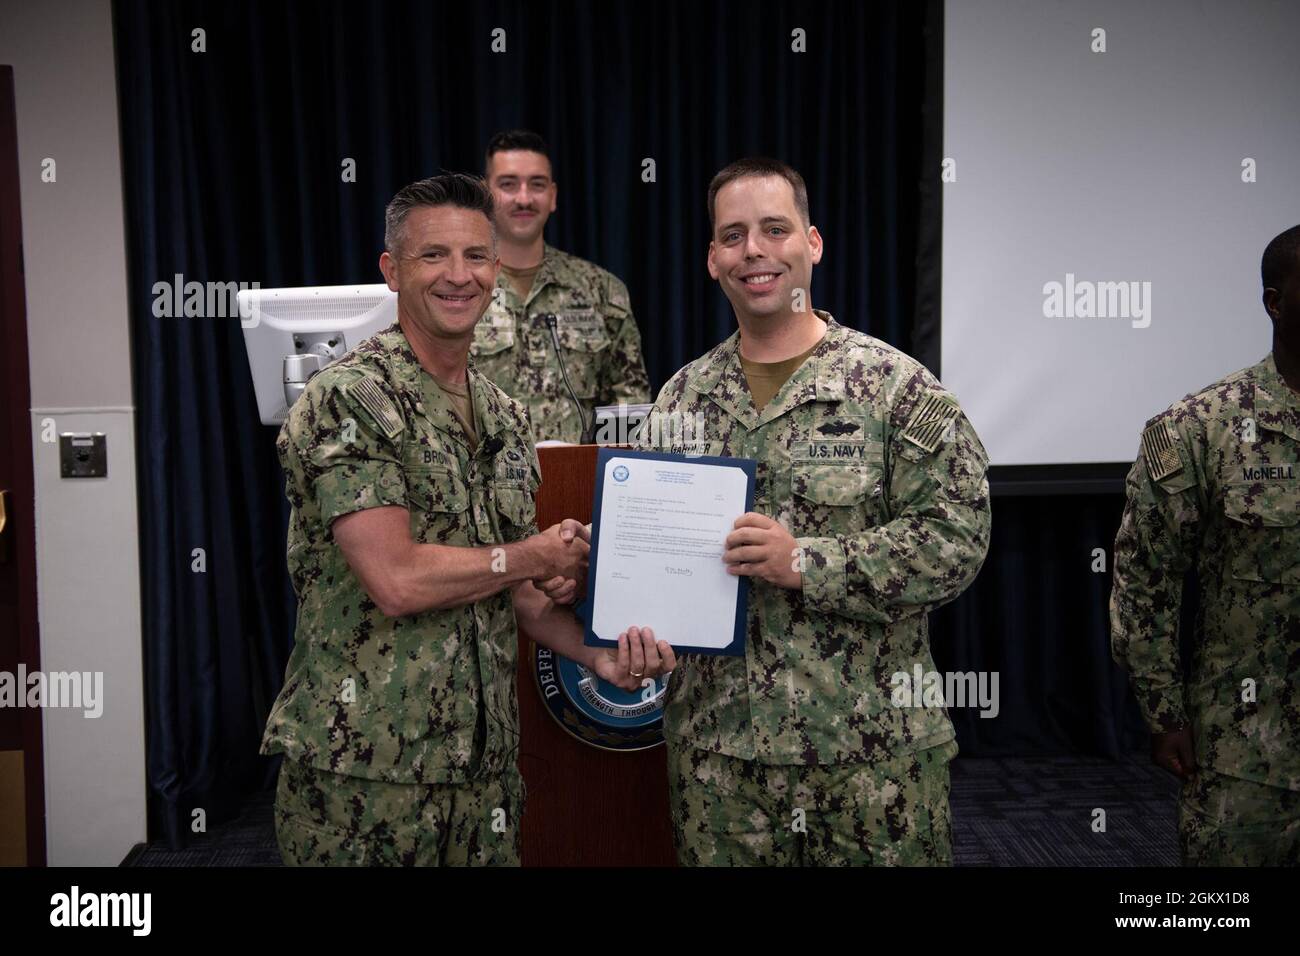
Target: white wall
86	532
1116	166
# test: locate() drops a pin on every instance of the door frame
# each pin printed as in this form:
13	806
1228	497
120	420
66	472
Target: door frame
15	407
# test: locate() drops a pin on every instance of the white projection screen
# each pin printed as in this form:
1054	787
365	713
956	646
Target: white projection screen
1122	166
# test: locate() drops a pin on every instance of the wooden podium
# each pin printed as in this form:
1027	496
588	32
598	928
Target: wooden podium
586	806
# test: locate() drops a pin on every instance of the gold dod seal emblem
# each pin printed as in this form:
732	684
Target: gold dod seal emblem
596	712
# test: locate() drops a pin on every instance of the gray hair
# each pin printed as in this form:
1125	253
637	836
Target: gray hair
446	189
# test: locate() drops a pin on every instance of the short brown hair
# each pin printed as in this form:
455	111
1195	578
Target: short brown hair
759	166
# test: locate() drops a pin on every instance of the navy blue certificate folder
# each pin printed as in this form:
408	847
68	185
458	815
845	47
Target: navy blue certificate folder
662	477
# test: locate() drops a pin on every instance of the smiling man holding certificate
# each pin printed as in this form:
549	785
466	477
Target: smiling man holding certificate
871	508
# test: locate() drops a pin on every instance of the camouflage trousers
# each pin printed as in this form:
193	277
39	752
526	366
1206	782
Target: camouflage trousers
329	819
1226	821
731	812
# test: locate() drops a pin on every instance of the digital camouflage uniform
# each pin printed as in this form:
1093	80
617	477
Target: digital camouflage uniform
399	734
598	338
873	468
1217	484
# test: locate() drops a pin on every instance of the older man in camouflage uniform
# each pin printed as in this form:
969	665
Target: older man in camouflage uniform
871	508
1217	485
413	548
559	336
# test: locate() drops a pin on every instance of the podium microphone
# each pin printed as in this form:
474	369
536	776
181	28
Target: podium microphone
552	320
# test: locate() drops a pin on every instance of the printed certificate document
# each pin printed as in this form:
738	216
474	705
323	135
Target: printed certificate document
657	536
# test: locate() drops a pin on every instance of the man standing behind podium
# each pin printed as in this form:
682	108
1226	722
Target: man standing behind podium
412	548
870	509
559	336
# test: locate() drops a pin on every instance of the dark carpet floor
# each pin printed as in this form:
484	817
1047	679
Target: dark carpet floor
1007	811
1039	811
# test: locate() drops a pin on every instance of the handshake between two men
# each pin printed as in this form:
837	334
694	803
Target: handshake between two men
639	656
545	572
756	547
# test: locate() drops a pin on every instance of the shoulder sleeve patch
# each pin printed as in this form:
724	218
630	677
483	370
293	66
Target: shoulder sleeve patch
1160	452
618	294
929	422
371	399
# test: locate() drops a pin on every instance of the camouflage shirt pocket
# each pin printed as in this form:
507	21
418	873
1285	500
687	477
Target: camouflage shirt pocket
437	500
1263	531
493	334
831	498
516	507
514	485
581	331
582	338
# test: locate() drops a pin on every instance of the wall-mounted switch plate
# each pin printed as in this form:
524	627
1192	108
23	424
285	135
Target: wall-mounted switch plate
83	455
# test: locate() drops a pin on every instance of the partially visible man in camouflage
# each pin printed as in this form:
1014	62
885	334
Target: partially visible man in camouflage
413	548
1216	485
559	336
871	508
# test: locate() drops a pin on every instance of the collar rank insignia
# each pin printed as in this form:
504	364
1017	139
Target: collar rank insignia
1160	452
930	422
372	400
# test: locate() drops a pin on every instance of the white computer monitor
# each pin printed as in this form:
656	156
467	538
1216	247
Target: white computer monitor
291	334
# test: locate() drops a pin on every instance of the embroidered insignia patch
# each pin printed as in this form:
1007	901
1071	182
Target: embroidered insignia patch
377	405
929	423
1160	452
618	295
